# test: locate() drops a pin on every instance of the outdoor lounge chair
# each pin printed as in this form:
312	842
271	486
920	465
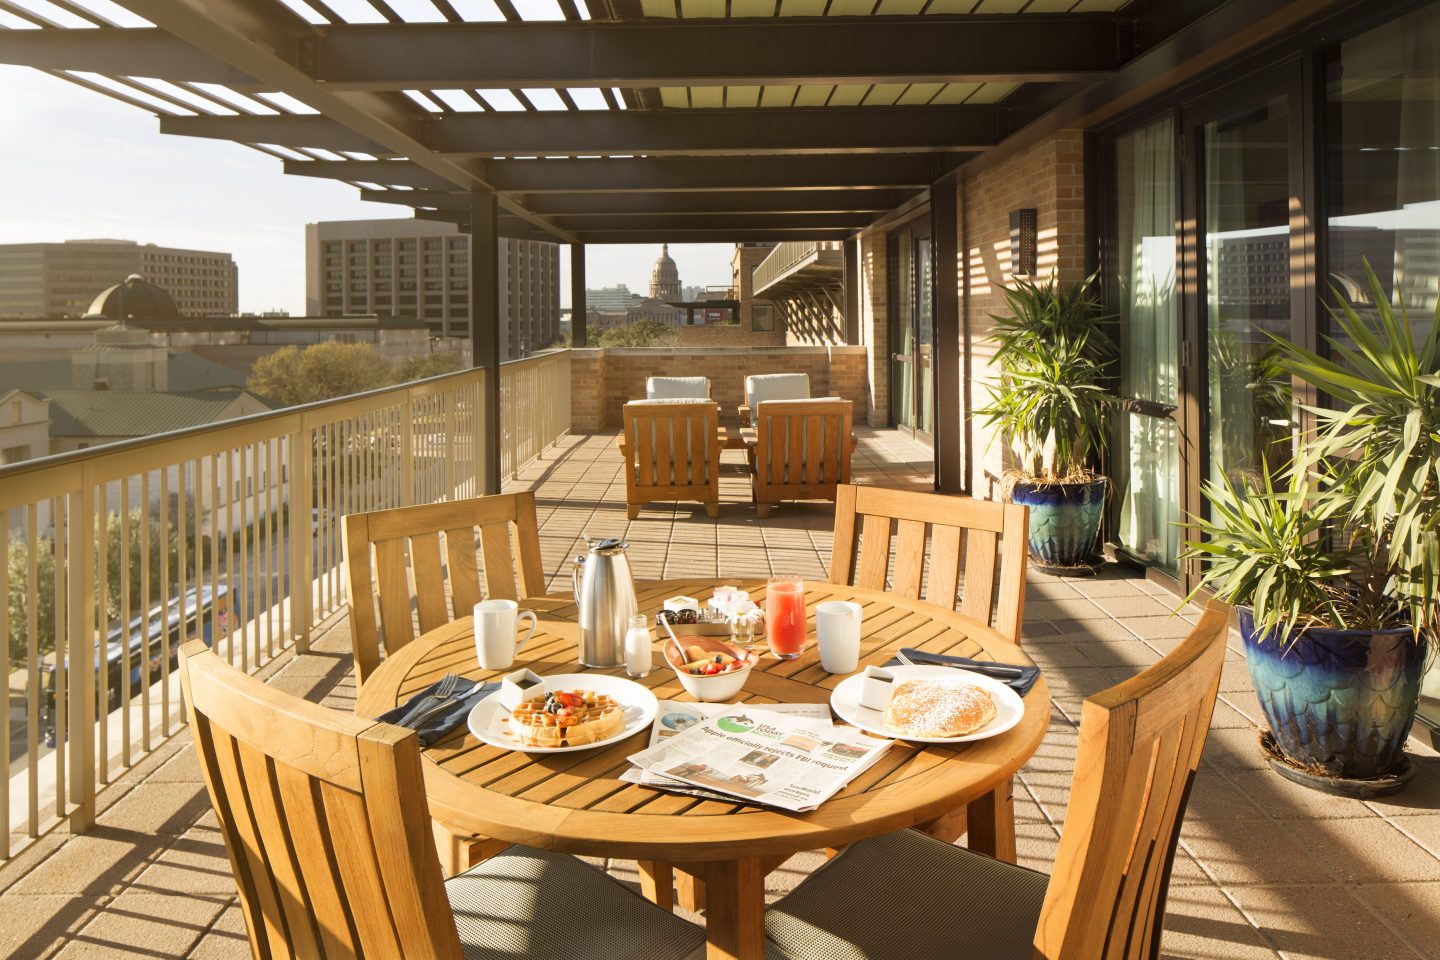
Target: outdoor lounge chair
772	386
325	820
677	388
672	452
802	450
909	895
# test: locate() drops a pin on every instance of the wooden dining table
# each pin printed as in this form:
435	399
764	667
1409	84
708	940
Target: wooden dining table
577	803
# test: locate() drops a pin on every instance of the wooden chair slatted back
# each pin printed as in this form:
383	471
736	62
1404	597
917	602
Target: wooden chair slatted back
324	818
1140	745
803	448
980	540
672	445
402	561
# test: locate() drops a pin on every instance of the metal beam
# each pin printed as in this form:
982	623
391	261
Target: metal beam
686	235
656	174
485	326
146	52
751	132
579	311
686	203
267	47
945	295
683	52
717	221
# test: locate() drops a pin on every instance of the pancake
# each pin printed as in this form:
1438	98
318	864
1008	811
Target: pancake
939	708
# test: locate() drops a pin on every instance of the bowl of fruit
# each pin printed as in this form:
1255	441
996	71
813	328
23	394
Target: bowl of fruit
709	669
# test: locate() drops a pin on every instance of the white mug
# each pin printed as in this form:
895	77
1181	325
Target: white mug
837	628
495	625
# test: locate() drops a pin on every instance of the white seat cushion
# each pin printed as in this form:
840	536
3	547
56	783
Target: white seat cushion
775	386
677	388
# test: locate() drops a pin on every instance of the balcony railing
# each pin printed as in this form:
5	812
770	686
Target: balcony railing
792	256
115	555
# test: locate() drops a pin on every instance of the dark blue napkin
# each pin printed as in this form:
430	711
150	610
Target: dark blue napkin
439	724
1020	684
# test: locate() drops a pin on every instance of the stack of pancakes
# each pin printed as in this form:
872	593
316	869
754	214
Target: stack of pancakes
939	708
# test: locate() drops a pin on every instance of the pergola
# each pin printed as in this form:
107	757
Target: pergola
632	121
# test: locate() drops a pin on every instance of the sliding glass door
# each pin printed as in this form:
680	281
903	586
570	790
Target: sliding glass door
912	333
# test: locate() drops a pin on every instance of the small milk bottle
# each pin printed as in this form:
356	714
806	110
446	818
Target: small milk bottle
638	646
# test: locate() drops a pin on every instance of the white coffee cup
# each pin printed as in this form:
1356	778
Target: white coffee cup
496	622
837	628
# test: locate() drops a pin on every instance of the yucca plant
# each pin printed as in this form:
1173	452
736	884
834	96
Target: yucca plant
1351	539
1051	404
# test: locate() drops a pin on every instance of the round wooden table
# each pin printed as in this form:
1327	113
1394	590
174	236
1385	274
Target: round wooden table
577	803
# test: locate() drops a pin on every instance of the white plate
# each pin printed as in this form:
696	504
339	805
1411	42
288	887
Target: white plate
487	718
845	701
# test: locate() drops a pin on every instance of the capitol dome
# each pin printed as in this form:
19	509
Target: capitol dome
665	278
136	298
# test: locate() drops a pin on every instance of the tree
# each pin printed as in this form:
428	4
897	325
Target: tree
292	376
426	365
641	333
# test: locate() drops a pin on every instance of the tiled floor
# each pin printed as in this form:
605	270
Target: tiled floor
1265	869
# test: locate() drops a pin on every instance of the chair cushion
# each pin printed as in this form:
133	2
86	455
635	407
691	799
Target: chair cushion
907	894
533	903
671	388
775	386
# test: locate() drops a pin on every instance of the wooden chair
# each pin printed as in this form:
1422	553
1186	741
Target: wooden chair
325	821
672	452
908	895
992	558
802	450
762	387
406	544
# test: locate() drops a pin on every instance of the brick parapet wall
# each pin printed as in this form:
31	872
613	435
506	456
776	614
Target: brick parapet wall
603	380
728	335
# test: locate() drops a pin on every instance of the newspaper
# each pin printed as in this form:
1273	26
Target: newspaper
762	755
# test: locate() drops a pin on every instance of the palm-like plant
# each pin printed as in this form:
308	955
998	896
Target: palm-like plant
1352	539
1054	353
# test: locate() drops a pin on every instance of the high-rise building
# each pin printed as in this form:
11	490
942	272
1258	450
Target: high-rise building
421	269
665	278
616	299
53	280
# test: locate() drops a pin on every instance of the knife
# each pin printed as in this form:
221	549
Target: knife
999	671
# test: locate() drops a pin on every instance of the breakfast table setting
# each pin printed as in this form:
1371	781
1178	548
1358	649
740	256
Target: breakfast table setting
714	728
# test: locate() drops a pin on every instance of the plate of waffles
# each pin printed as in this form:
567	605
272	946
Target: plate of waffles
932	704
573	711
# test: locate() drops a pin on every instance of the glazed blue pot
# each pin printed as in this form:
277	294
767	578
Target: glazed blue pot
1064	519
1341	701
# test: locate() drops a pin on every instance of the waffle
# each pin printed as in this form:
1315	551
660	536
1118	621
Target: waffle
939	708
566	718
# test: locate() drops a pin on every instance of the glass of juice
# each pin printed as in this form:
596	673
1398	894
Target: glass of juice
785	616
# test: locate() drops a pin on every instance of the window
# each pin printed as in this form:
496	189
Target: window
15	454
17	411
762	317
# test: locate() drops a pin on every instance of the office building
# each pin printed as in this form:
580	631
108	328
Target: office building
421	269
55	280
616	299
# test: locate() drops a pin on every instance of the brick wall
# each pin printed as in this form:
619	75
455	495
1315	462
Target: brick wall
1050	177
874	326
604	380
729	335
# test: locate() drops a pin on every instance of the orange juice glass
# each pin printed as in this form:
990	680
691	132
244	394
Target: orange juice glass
785	616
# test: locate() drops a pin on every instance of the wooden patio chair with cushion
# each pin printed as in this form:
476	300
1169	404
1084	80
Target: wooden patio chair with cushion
939	542
388	549
677	388
772	386
325	820
802	450
909	895
672	452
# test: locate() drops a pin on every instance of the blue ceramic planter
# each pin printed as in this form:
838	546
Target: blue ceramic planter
1064	519
1338	700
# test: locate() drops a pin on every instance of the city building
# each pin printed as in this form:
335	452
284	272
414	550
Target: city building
616	299
56	280
665	277
421	269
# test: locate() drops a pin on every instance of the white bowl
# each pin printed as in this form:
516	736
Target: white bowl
716	687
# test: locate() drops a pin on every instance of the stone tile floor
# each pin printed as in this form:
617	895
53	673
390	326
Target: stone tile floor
1265	869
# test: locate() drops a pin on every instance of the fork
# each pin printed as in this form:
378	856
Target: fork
443	692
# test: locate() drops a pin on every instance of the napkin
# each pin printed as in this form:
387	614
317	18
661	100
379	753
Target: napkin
439	724
1020	684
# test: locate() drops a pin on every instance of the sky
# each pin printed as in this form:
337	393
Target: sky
75	164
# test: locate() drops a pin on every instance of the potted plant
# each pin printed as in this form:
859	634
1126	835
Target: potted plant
1333	559
1051	406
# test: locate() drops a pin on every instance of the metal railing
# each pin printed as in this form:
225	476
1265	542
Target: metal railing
115	555
791	255
534	407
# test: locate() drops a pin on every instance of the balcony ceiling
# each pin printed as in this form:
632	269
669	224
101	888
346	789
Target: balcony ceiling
603	120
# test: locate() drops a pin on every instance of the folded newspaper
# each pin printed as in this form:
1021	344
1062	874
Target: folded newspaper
784	755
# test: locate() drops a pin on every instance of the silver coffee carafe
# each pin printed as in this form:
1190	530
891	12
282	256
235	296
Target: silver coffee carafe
605	597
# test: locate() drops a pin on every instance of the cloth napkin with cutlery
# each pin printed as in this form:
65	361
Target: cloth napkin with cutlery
438	709
1018	677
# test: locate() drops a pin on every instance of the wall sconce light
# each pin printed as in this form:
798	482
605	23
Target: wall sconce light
1023	242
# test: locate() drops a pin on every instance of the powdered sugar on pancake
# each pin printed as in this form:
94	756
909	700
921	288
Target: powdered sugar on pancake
939	708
